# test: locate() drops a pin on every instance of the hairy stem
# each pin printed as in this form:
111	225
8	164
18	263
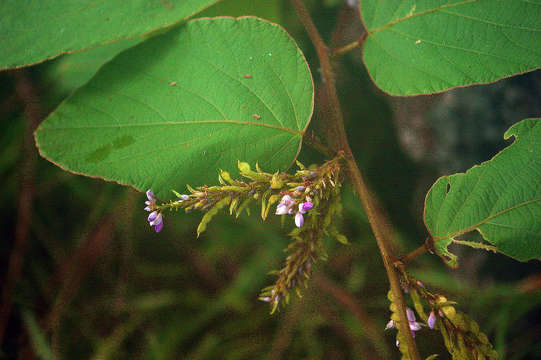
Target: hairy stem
375	216
348	47
413	254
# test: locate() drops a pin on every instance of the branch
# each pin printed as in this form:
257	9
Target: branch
375	216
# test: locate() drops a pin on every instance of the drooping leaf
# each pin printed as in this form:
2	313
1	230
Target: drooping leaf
32	31
178	107
71	71
419	47
500	198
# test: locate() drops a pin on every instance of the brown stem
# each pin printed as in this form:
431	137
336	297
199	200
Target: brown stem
428	246
375	216
32	115
346	48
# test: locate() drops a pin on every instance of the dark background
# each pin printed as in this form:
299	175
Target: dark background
88	278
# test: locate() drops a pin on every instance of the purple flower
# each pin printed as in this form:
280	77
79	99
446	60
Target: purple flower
151	200
155	219
410	314
281	209
184	197
299	220
431	320
414	325
307	206
300	188
390	325
285	205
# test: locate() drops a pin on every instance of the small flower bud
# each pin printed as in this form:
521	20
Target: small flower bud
390	325
410	314
431	320
184	197
299	220
150	195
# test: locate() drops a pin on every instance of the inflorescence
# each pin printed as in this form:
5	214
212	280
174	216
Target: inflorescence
311	196
461	334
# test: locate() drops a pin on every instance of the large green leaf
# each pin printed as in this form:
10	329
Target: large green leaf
71	71
500	198
419	47
35	30
179	106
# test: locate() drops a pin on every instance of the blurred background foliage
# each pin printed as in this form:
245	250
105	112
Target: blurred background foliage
83	276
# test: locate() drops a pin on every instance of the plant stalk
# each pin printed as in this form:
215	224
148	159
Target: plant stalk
375	216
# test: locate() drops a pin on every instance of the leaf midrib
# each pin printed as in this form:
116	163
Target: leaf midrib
164	123
405	18
484	221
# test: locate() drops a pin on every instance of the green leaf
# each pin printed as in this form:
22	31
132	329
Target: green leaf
71	71
36	30
420	47
210	214
501	199
174	109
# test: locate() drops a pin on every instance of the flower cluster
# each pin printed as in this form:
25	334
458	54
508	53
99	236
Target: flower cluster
155	217
288	205
461	334
315	189
413	324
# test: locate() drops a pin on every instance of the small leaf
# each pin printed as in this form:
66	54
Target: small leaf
37	30
129	125
210	214
337	235
243	206
233	206
272	200
420	47
500	198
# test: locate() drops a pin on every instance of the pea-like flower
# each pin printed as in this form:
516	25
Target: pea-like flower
151	200
431	320
154	218
285	206
414	325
